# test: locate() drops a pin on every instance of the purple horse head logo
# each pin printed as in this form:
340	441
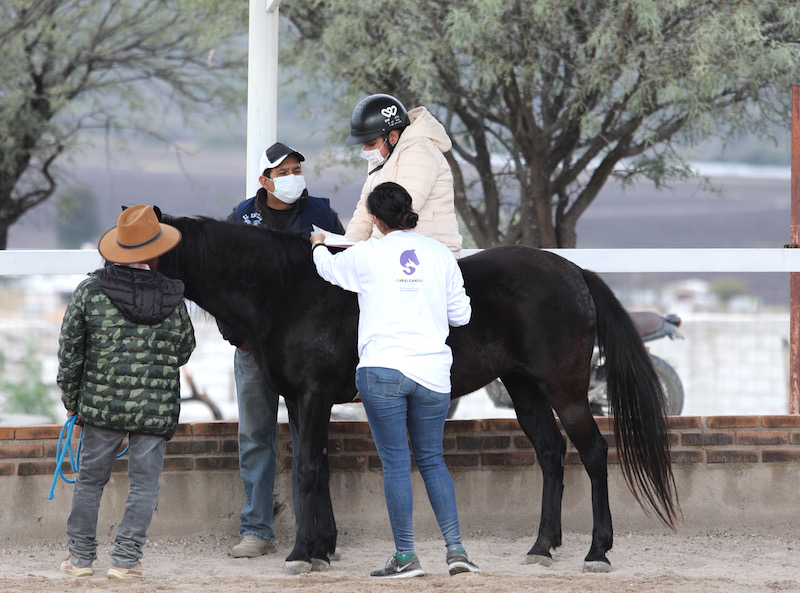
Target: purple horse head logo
406	259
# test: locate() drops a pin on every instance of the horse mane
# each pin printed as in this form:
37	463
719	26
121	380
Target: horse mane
204	241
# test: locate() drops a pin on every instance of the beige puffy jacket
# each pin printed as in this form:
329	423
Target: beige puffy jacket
417	163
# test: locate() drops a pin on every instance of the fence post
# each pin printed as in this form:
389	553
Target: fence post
794	282
262	85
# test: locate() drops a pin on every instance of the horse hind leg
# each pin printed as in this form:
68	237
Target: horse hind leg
582	430
536	419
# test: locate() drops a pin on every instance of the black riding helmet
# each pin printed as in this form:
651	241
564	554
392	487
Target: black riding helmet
377	115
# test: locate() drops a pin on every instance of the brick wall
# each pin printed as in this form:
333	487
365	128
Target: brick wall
501	443
468	444
731	472
32	450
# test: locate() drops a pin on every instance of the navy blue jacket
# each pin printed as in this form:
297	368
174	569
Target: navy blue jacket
307	210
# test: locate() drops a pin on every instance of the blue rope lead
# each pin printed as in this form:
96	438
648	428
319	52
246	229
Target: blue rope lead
61	451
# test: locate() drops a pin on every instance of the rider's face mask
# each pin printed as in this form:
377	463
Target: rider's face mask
289	188
374	156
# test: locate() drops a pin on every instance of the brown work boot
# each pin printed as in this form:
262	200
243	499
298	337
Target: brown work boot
77	571
135	572
251	546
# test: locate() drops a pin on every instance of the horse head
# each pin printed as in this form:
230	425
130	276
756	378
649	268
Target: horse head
240	274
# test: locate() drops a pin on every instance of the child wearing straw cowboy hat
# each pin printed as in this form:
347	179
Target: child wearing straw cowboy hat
125	334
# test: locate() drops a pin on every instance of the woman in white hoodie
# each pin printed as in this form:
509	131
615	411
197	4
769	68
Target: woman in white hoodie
410	292
406	148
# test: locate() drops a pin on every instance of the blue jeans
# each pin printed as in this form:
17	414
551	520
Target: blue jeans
258	431
99	449
394	403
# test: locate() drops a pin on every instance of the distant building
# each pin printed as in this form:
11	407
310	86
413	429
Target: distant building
690	295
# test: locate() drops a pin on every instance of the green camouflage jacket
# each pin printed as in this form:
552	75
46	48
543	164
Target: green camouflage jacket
125	335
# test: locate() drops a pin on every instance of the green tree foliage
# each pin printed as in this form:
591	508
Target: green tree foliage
727	287
77	221
546	100
71	66
29	394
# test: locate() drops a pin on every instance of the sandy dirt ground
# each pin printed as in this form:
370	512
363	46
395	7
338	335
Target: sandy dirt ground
724	562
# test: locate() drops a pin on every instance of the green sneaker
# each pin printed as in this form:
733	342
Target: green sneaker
400	569
457	562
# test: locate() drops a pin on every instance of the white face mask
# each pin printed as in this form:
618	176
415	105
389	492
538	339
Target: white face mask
289	188
374	156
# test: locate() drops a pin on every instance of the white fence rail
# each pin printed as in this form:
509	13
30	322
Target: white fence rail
79	261
729	363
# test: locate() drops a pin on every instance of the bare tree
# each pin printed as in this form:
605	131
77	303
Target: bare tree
73	66
546	100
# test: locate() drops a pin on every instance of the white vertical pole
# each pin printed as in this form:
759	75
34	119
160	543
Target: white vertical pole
794	278
262	85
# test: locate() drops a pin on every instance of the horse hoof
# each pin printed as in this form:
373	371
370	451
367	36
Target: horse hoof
596	566
540	560
335	556
319	565
298	567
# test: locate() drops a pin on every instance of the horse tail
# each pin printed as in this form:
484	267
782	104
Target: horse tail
637	401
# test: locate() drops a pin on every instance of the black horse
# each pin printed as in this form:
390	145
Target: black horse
535	320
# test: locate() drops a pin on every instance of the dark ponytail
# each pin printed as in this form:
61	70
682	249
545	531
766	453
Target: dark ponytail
391	203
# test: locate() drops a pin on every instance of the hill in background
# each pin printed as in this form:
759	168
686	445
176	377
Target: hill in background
749	211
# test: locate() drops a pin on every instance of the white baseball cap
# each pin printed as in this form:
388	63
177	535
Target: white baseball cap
275	155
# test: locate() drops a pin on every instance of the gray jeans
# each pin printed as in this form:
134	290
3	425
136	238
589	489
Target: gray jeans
145	462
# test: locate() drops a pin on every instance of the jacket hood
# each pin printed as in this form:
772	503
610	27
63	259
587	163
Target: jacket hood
142	296
424	125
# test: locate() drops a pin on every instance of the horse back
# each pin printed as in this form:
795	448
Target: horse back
531	310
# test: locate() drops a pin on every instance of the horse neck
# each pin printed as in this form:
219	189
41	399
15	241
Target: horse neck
237	270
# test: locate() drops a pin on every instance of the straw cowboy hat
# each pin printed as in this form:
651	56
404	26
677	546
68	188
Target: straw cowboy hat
138	237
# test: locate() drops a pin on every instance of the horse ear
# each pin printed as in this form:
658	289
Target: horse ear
156	209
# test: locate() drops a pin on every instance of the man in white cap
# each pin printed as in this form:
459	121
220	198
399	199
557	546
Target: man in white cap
125	335
282	202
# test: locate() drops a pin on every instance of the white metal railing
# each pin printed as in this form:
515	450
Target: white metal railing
32	262
22	262
55	263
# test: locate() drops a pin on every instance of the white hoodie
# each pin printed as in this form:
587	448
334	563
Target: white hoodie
410	291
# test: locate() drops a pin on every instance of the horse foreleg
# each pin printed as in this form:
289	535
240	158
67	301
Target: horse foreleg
315	539
593	449
324	545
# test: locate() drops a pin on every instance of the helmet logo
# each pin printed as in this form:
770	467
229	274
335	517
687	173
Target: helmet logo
389	112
